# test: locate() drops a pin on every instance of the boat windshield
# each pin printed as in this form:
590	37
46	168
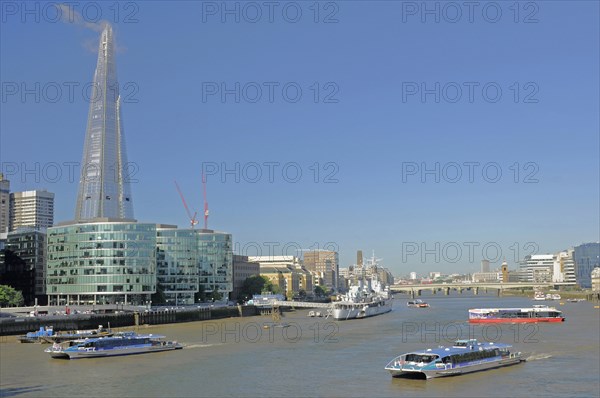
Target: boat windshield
420	358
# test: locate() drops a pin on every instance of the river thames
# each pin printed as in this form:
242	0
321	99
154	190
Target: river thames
319	357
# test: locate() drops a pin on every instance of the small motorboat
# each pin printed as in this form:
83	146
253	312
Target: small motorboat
417	304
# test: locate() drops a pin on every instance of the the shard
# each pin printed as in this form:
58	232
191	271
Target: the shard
104	190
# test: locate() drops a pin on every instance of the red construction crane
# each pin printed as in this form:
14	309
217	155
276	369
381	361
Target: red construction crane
205	201
193	220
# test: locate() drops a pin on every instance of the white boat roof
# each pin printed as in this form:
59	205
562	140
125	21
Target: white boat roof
534	309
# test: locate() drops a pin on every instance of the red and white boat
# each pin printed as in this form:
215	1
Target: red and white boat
539	313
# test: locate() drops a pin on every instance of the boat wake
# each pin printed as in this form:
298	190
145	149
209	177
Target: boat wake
537	357
186	346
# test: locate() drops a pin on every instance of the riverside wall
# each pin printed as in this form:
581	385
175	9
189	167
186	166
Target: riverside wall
22	325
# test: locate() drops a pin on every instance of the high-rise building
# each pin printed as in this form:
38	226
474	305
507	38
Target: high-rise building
326	264
557	267
537	268
485	266
586	257
4	205
564	267
31	209
104	190
24	257
104	255
24	264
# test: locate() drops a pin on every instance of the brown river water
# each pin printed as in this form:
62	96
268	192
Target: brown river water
321	357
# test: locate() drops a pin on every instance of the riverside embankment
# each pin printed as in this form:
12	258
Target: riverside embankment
22	325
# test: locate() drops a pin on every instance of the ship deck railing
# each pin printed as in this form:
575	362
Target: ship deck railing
296	304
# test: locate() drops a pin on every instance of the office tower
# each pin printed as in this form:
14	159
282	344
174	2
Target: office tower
326	264
485	266
586	257
192	260
4	204
104	190
31	209
537	268
24	264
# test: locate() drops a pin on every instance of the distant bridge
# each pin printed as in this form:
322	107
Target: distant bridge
415	289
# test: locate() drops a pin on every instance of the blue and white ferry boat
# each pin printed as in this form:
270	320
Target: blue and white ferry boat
464	356
127	343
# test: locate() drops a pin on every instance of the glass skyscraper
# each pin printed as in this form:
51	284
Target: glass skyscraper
104	187
105	256
587	257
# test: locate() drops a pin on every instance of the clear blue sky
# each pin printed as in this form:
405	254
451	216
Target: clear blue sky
370	62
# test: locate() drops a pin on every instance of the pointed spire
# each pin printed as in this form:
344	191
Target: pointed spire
103	186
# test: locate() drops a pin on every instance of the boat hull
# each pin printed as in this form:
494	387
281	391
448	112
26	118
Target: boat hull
78	354
516	320
453	371
355	311
28	340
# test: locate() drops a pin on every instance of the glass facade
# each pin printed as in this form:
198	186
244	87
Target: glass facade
189	258
22	263
177	264
101	262
216	262
586	257
126	262
104	185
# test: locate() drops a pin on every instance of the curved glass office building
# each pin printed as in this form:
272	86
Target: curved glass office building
177	264
215	251
189	258
101	262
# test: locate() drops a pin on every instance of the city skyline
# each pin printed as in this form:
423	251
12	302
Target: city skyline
379	168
